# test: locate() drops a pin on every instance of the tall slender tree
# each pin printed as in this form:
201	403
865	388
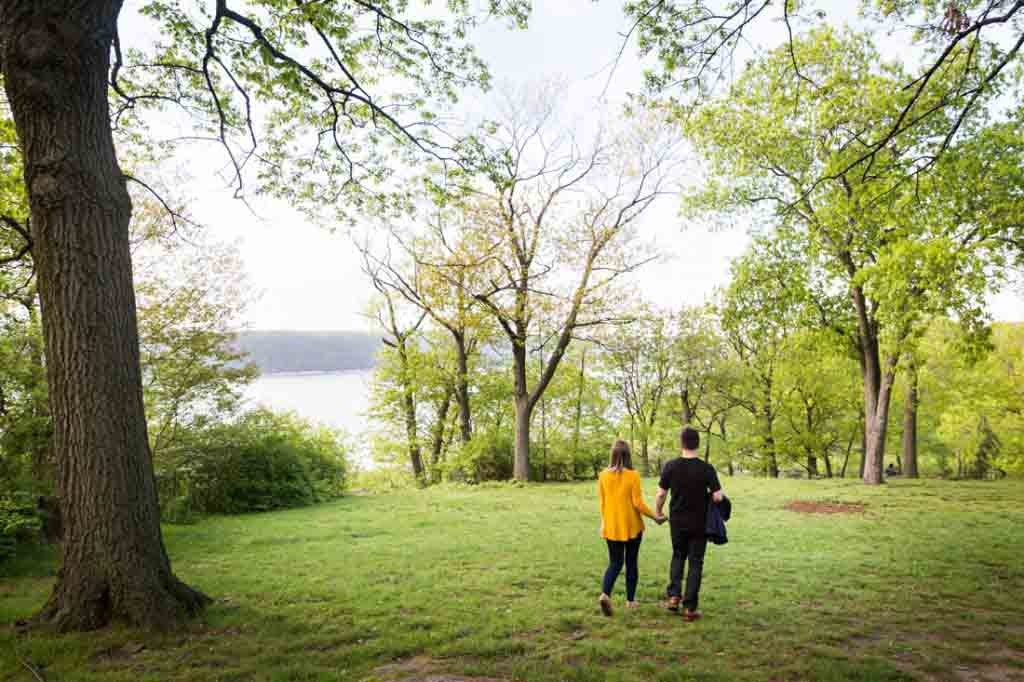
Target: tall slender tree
558	216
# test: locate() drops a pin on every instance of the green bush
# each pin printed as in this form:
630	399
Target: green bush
488	457
261	461
19	522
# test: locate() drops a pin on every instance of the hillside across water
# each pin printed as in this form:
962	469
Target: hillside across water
297	351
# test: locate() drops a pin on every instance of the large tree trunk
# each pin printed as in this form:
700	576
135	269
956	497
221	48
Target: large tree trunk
524	408
113	565
910	426
521	464
878	427
44	465
462	389
877	389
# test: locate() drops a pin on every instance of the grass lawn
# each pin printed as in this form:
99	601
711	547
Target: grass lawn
501	583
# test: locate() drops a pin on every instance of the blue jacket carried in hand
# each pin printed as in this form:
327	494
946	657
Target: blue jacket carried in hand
718	514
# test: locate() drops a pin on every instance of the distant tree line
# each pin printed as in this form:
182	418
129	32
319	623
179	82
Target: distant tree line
513	294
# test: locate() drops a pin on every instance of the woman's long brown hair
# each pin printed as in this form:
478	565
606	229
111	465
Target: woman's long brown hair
621	457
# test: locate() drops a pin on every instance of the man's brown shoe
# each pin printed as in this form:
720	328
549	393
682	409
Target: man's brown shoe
691	616
606	605
672	604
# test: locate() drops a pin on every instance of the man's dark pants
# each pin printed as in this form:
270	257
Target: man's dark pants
686	547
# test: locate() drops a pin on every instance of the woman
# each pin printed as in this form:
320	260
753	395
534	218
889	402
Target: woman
622	527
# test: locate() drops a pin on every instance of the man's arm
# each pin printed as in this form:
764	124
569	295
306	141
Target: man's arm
715	487
664	483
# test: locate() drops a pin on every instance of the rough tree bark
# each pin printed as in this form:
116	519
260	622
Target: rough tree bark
55	56
878	382
521	465
910	426
878	427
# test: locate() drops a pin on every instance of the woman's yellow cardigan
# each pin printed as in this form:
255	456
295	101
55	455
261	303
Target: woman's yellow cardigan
622	503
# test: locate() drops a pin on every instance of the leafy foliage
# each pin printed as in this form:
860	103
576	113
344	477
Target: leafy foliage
344	89
19	522
261	460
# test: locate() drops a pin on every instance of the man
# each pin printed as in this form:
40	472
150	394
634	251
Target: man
691	481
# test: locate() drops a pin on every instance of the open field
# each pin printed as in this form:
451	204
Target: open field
500	583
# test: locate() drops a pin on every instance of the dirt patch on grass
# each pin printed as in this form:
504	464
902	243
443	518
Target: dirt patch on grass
423	669
807	507
987	673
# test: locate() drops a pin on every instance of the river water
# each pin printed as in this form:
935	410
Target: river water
336	399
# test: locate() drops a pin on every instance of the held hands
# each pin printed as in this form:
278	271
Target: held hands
660	519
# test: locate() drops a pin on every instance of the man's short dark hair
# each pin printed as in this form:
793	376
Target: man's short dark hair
689	438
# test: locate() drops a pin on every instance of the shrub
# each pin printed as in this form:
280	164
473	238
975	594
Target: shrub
19	522
263	460
487	457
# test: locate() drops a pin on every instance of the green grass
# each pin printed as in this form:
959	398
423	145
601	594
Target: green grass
501	582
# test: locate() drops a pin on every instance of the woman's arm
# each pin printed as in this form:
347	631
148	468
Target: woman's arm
638	500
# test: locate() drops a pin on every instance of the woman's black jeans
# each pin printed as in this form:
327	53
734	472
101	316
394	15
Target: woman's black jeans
619	552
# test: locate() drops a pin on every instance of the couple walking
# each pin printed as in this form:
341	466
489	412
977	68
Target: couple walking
692	483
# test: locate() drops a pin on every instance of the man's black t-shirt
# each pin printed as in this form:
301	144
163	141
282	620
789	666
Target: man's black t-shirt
690	479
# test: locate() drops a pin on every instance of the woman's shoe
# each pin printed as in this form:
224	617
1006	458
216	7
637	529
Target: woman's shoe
606	605
632	604
673	603
691	616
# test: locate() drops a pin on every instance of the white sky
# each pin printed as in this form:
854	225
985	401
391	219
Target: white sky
310	279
